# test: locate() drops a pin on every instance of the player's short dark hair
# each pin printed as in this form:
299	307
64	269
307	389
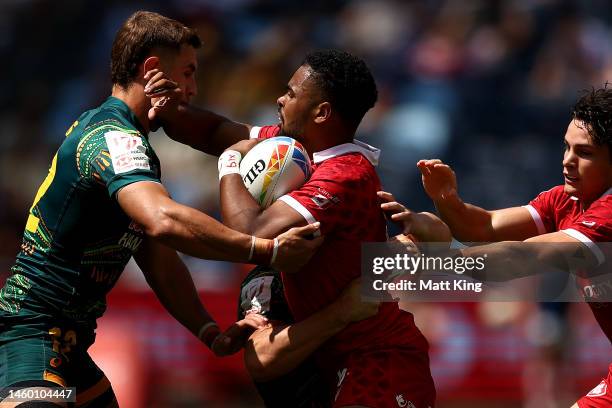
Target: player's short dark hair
594	109
345	81
142	32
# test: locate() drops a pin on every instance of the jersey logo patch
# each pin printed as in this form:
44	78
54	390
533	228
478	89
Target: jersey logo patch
127	152
598	391
324	199
589	224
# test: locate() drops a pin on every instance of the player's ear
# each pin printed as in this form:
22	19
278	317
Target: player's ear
322	112
150	63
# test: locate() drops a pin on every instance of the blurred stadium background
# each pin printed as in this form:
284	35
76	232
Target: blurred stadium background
486	85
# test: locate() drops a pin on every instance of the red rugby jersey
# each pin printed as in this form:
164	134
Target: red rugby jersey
341	194
554	210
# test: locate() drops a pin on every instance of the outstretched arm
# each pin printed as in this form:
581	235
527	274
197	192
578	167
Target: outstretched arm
199	128
195	233
279	348
511	260
467	222
505	260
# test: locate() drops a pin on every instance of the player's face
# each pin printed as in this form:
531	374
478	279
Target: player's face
587	169
181	68
295	107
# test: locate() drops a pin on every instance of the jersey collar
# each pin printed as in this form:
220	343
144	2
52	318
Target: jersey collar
369	152
118	104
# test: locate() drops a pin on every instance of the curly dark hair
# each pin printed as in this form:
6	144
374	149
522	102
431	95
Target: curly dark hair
345	81
142	32
594	109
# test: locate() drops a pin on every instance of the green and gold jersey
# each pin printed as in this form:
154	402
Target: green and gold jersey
77	240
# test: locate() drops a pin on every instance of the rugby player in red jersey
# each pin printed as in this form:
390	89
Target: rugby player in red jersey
577	213
378	362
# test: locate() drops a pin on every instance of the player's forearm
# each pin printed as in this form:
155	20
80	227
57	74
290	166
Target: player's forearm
175	290
467	222
203	130
195	233
273	352
509	260
239	210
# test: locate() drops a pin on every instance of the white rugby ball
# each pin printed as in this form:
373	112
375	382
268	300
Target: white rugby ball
273	168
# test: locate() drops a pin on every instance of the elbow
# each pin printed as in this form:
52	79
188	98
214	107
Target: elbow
159	225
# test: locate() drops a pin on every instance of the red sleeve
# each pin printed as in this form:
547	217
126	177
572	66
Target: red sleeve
331	196
542	209
264	132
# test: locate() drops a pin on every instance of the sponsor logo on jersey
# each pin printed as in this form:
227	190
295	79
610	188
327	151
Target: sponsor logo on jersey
589	224
342	374
597	291
324	199
401	402
130	241
105	275
127	152
135	227
598	391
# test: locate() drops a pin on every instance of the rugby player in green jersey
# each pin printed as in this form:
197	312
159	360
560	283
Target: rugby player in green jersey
102	203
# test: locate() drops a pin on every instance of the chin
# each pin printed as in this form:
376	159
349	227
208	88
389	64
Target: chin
571	190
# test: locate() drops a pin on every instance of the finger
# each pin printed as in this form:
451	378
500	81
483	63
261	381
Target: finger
253	321
425	170
257	319
401	216
441	166
150	73
157	76
162	90
306	230
432	162
385	196
161	82
394	207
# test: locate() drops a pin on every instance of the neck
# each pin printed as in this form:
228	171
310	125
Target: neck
586	203
331	135
134	98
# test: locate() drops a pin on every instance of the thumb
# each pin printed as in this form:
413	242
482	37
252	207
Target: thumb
308	229
152	113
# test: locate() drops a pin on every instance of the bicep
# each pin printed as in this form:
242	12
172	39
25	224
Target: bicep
513	224
142	202
564	249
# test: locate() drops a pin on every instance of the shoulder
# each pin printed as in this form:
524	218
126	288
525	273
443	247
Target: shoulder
348	168
264	132
601	207
555	193
554	198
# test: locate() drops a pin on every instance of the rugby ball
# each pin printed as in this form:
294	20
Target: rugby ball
273	168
